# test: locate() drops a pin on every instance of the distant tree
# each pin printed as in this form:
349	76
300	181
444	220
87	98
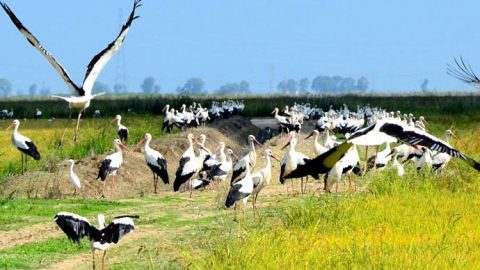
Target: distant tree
5	88
119	88
99	87
244	87
194	86
292	86
324	84
347	84
45	91
303	85
148	85
282	86
32	90
424	85
157	89
362	84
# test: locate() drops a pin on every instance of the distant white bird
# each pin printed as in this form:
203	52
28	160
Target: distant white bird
122	130
155	161
111	164
397	165
74	178
96	65
76	227
23	144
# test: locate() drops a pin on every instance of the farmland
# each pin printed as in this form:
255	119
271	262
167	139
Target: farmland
418	221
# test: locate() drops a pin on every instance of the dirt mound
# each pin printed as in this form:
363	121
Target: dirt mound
134	178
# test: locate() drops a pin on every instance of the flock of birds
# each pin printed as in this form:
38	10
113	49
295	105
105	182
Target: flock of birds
200	167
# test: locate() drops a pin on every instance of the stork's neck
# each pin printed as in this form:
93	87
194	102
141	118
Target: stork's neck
447	138
268	162
71	167
252	146
147	145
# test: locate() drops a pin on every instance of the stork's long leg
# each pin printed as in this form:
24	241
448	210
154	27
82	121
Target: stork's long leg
113	182
21	157
93	259
103	258
78	123
154	184
366	157
235	212
103	189
375	163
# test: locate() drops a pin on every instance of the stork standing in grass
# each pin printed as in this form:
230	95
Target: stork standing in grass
262	178
155	161
240	191
188	166
240	166
122	130
96	65
291	160
23	144
76	227
111	164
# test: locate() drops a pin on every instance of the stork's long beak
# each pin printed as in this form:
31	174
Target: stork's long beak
9	127
233	154
257	142
113	120
140	142
123	147
164	109
286	145
273	112
310	135
274	157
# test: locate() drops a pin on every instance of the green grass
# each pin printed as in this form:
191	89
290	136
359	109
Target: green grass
95	137
40	254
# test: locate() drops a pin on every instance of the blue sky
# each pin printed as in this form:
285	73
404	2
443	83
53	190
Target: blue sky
394	44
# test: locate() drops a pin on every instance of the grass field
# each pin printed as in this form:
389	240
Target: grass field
420	221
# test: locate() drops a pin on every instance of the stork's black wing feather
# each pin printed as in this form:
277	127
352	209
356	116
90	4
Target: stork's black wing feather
74	226
117	229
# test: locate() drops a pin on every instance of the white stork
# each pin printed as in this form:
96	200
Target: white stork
122	130
74	178
155	161
319	149
262	178
188	166
240	166
220	170
389	130
111	164
96	65
291	159
440	160
240	191
76	227
23	144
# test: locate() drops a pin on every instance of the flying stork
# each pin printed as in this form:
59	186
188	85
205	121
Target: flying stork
76	227
390	129
96	65
155	161
23	144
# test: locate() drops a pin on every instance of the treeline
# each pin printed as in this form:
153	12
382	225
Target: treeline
196	86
